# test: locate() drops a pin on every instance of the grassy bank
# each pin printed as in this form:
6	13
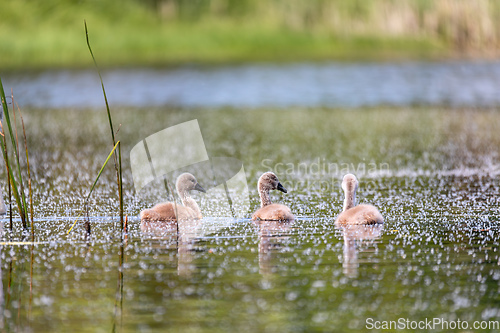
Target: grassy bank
38	34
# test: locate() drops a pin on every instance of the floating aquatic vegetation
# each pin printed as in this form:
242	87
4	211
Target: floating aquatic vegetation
437	254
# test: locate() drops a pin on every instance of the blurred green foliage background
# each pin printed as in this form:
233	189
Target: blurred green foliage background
50	33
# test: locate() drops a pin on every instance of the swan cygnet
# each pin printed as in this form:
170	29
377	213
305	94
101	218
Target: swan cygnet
352	214
172	212
269	211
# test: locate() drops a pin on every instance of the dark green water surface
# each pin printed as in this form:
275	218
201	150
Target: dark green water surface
433	174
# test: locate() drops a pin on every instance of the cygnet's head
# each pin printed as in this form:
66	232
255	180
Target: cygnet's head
269	181
187	182
349	183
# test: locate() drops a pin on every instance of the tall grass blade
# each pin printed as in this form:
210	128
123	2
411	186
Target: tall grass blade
95	182
102	83
10	189
120	183
74	223
21	183
117	167
102	169
20	199
11	179
30	192
15	144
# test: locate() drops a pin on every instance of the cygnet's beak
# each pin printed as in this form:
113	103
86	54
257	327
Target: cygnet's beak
199	188
281	188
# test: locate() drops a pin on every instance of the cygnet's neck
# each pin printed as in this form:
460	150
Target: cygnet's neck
264	194
187	201
191	203
350	199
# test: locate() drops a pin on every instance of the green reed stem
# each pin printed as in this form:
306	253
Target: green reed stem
118	166
30	192
9	186
120	184
15	143
20	198
21	183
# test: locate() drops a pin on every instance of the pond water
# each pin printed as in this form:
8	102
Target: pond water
432	172
459	83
